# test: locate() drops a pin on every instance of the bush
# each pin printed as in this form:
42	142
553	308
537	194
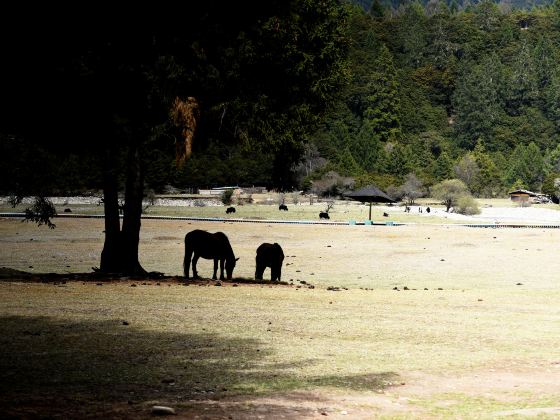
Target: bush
467	205
226	196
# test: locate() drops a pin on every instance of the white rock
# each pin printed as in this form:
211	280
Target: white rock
161	410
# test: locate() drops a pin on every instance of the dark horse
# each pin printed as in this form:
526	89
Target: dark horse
269	255
209	246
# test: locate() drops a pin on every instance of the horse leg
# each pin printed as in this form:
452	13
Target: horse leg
216	269
276	273
187	261
194	261
222	268
259	271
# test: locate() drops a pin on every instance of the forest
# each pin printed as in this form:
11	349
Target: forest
443	93
429	91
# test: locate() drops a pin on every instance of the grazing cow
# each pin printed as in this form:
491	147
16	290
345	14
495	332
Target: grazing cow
209	246
428	210
269	255
283	207
230	210
324	215
385	214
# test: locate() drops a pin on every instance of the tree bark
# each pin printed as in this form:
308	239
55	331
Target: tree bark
120	250
110	256
133	210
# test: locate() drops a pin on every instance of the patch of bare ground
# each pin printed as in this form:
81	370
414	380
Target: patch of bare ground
397	401
500	382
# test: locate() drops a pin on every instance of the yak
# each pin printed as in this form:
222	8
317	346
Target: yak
269	255
230	210
324	215
283	207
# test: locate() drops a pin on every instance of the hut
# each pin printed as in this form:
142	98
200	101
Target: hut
522	196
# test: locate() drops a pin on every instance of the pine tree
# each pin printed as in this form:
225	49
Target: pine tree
443	167
383	106
477	104
522	82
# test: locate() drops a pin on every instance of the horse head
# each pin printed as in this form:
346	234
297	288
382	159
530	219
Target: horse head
230	265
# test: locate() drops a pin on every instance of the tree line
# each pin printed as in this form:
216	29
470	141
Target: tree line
440	92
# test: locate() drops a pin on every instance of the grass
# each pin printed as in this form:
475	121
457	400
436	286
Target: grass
343	211
479	336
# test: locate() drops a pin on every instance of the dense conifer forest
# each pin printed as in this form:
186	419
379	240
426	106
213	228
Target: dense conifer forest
442	92
433	91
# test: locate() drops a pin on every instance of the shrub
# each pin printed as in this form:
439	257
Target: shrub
467	205
226	196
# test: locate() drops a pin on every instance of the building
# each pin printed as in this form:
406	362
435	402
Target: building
525	196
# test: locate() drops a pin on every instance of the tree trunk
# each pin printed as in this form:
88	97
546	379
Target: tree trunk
120	250
110	256
133	210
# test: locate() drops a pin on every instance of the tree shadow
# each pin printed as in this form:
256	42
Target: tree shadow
52	367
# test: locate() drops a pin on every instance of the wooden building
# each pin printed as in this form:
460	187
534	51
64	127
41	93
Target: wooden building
521	195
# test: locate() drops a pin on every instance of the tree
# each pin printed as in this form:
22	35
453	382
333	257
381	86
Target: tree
262	80
382	103
412	189
449	192
527	166
467	170
477	103
443	167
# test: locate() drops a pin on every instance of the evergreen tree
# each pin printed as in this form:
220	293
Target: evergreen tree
443	167
412	35
383	105
489	180
347	165
477	104
377	10
522	82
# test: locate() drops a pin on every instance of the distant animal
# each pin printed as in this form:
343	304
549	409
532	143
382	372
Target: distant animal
428	210
67	210
385	214
269	255
230	210
283	207
419	209
406	209
324	215
216	246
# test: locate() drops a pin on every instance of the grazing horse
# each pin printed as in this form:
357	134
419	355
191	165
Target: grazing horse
230	210
269	255
207	245
283	207
324	215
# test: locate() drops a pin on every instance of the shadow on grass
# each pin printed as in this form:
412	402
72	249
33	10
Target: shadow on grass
52	367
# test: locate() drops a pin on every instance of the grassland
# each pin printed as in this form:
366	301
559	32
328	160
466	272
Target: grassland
471	331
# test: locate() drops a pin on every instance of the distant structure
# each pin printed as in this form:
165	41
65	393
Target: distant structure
525	196
220	190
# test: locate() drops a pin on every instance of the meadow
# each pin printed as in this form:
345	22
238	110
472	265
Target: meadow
416	321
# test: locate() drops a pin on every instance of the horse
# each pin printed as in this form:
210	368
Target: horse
324	215
269	255
209	246
283	207
230	210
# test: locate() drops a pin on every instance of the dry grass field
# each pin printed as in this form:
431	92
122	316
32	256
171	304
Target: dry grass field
470	332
